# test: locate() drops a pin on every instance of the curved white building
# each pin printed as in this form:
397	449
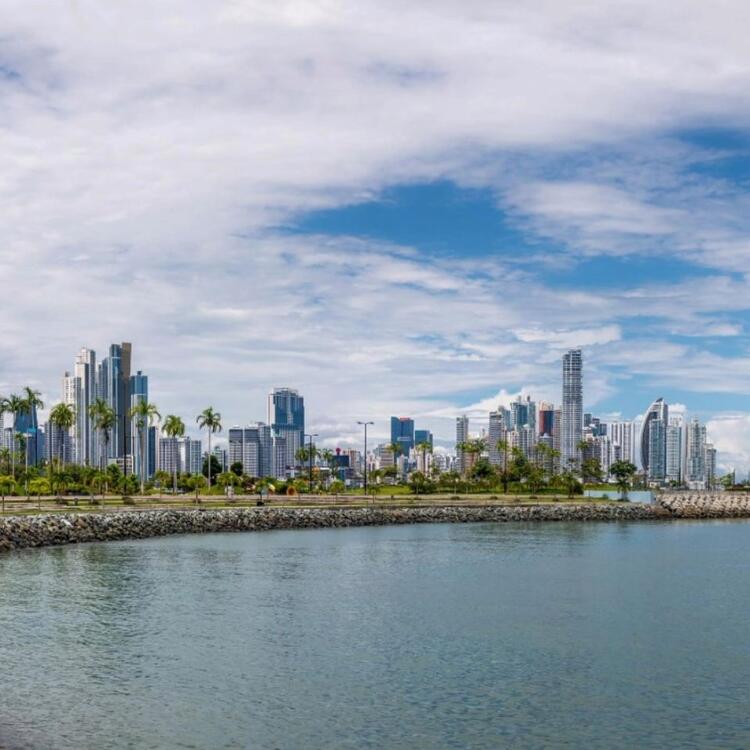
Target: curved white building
652	445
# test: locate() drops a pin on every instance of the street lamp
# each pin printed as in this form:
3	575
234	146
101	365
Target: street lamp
310	453
364	424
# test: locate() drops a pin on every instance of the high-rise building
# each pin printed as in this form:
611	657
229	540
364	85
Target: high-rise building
80	391
695	464
26	423
523	413
653	451
138	391
572	406
402	432
462	436
286	415
675	449
423	436
710	466
169	454
113	385
191	456
621	437
252	446
497	433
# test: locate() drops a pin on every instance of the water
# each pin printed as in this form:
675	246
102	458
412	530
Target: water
435	636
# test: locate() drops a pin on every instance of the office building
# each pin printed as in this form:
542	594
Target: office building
572	406
462	436
675	449
653	449
402	433
286	416
423	436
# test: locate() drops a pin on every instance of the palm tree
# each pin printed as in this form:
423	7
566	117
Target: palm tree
145	414
14	405
33	401
329	457
504	447
104	419
174	428
211	420
62	416
395	448
424	449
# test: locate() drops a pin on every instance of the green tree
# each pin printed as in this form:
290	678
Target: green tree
39	487
14	405
174	428
237	468
591	470
7	483
623	472
504	448
211	466
62	416
197	482
162	478
211	421
424	448
104	419
145	415
395	449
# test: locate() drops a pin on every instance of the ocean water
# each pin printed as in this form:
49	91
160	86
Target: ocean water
545	635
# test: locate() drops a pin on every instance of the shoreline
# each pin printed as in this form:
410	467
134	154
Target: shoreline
20	532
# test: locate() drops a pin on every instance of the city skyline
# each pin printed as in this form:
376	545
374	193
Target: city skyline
272	445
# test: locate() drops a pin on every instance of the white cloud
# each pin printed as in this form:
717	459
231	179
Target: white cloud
149	153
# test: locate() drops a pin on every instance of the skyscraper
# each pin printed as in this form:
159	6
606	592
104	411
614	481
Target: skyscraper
286	415
675	449
695	468
653	451
423	436
113	385
497	432
572	406
252	446
138	392
402	432
621	436
462	435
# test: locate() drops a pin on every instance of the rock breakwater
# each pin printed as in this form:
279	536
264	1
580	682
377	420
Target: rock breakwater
17	532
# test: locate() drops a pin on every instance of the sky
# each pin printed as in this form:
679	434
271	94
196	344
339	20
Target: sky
397	208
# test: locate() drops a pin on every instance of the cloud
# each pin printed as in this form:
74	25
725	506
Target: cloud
150	155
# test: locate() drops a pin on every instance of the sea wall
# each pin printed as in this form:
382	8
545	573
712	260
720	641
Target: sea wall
17	532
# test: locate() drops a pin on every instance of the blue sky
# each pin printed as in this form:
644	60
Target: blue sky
397	209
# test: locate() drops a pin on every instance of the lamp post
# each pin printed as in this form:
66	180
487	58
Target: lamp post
365	424
310	453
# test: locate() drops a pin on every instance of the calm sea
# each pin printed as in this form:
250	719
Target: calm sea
435	636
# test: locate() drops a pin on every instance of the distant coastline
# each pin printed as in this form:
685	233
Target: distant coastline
18	532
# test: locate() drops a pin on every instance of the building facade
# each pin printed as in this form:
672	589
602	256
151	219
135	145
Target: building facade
572	406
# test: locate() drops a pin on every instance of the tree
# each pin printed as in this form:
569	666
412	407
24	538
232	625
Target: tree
329	458
104	419
211	466
227	479
39	487
174	428
474	447
145	415
504	448
237	468
211	420
569	481
196	482
306	454
162	479
424	448
32	401
7	483
419	483
62	416
582	446
591	470
14	405
534	475
623	472
395	448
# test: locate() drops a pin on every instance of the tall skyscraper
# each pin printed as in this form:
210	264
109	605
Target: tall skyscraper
402	432
462	436
653	450
138	392
695	469
675	449
113	385
621	437
497	432
572	406
286	415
